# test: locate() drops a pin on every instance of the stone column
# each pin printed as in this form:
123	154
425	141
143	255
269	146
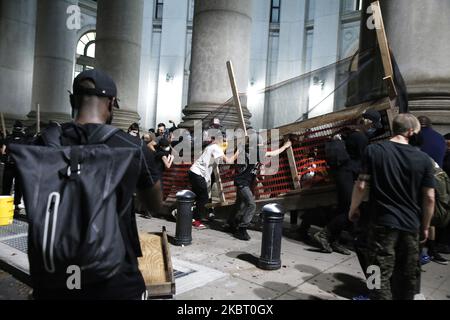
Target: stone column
145	107
259	61
221	32
118	52
53	60
418	35
17	30
327	21
286	109
171	62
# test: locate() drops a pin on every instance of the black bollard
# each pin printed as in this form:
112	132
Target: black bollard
273	216
183	235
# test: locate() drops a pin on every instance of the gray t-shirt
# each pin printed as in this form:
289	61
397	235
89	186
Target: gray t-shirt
204	165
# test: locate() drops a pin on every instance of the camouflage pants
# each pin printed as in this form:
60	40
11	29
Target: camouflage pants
396	252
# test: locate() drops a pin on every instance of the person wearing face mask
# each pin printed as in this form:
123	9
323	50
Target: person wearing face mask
134	130
401	183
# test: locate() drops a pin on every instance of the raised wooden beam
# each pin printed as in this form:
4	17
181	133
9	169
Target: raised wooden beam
293	166
38	118
384	49
343	115
237	100
3	125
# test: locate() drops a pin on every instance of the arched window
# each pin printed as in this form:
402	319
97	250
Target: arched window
85	52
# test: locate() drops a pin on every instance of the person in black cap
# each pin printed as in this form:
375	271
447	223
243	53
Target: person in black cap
346	171
94	100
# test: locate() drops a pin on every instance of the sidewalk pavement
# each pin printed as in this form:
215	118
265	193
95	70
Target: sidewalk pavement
219	267
305	273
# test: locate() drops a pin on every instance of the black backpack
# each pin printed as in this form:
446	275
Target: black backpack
71	205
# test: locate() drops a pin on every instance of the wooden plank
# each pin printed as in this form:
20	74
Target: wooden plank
38	118
168	260
219	184
160	290
384	49
3	124
237	100
151	263
300	199
343	115
293	167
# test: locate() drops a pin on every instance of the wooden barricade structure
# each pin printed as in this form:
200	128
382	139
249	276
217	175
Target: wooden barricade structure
303	180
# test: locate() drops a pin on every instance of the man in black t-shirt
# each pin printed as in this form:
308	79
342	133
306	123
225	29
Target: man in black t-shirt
93	101
401	183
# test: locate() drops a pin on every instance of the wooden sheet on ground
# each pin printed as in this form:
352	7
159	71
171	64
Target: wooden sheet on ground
152	263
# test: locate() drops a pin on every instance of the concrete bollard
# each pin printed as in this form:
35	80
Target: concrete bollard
273	217
183	234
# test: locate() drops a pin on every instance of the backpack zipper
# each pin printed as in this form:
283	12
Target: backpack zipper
51	215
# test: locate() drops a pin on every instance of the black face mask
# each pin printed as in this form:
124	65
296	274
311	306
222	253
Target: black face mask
416	140
371	132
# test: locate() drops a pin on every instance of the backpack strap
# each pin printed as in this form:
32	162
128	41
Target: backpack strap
51	136
101	134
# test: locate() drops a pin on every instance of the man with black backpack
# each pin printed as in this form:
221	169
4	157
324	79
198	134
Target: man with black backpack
83	241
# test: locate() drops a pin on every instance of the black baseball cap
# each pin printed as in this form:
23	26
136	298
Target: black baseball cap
374	116
104	85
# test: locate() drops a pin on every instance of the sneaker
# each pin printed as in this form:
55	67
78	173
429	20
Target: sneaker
197	224
443	248
436	257
322	240
211	216
339	248
424	259
242	234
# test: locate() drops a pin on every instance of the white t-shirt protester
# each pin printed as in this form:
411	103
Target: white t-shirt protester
204	165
